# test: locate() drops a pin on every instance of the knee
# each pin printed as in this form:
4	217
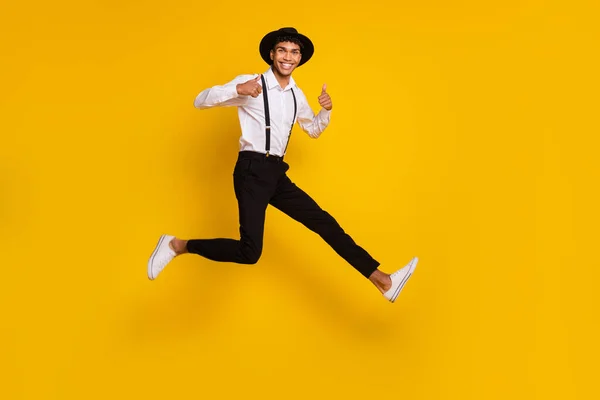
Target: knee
251	257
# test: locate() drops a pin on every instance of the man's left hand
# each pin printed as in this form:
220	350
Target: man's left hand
324	99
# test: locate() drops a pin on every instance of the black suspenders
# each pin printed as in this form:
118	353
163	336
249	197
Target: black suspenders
268	118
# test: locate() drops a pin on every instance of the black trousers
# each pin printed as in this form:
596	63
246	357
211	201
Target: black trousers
258	182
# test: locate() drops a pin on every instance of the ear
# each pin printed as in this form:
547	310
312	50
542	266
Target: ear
271	54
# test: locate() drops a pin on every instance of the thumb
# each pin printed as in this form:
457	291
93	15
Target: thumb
324	88
257	78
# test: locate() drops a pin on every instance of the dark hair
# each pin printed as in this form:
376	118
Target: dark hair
291	39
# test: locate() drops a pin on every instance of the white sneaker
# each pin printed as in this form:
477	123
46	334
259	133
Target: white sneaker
162	255
399	279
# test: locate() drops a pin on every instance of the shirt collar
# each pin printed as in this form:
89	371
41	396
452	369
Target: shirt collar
272	81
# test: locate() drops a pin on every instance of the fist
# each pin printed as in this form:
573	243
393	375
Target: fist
250	88
324	99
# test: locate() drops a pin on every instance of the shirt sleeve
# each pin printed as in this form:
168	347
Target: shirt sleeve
223	95
310	123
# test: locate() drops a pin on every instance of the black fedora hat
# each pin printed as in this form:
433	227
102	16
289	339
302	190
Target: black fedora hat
267	43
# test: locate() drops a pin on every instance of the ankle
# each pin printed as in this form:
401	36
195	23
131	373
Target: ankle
381	280
178	246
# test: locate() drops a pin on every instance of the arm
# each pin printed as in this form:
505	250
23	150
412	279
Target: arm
310	123
224	95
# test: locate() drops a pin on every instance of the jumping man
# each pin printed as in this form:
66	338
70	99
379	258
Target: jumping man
268	107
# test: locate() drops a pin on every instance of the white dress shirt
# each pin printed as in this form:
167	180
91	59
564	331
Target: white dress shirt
252	116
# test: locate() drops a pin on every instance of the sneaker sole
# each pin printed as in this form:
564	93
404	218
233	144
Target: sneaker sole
150	261
413	265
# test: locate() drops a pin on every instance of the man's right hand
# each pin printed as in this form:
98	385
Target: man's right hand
250	88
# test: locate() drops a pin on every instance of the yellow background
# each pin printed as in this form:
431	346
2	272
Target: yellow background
463	132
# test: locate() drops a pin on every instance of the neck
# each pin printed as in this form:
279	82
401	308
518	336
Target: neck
283	80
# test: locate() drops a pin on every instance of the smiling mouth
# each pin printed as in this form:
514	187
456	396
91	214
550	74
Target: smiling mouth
285	65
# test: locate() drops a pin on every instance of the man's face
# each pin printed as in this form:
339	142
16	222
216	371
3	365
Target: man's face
286	56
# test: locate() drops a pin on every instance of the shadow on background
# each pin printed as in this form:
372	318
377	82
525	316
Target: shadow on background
203	190
329	301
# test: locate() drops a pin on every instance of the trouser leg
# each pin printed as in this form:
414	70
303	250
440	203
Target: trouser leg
297	204
252	190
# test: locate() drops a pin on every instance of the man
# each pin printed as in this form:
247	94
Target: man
268	107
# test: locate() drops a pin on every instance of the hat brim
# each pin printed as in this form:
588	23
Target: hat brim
267	43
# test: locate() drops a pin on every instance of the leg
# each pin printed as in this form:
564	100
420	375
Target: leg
253	197
294	202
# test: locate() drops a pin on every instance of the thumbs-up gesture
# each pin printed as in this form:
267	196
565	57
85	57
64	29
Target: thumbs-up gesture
250	88
324	99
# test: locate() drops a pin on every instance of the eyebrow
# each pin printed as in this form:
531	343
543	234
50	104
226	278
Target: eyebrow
286	48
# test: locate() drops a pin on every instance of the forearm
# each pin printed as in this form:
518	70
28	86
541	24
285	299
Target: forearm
315	126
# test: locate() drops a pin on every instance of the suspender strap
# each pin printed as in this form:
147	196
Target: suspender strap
295	109
293	120
267	117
